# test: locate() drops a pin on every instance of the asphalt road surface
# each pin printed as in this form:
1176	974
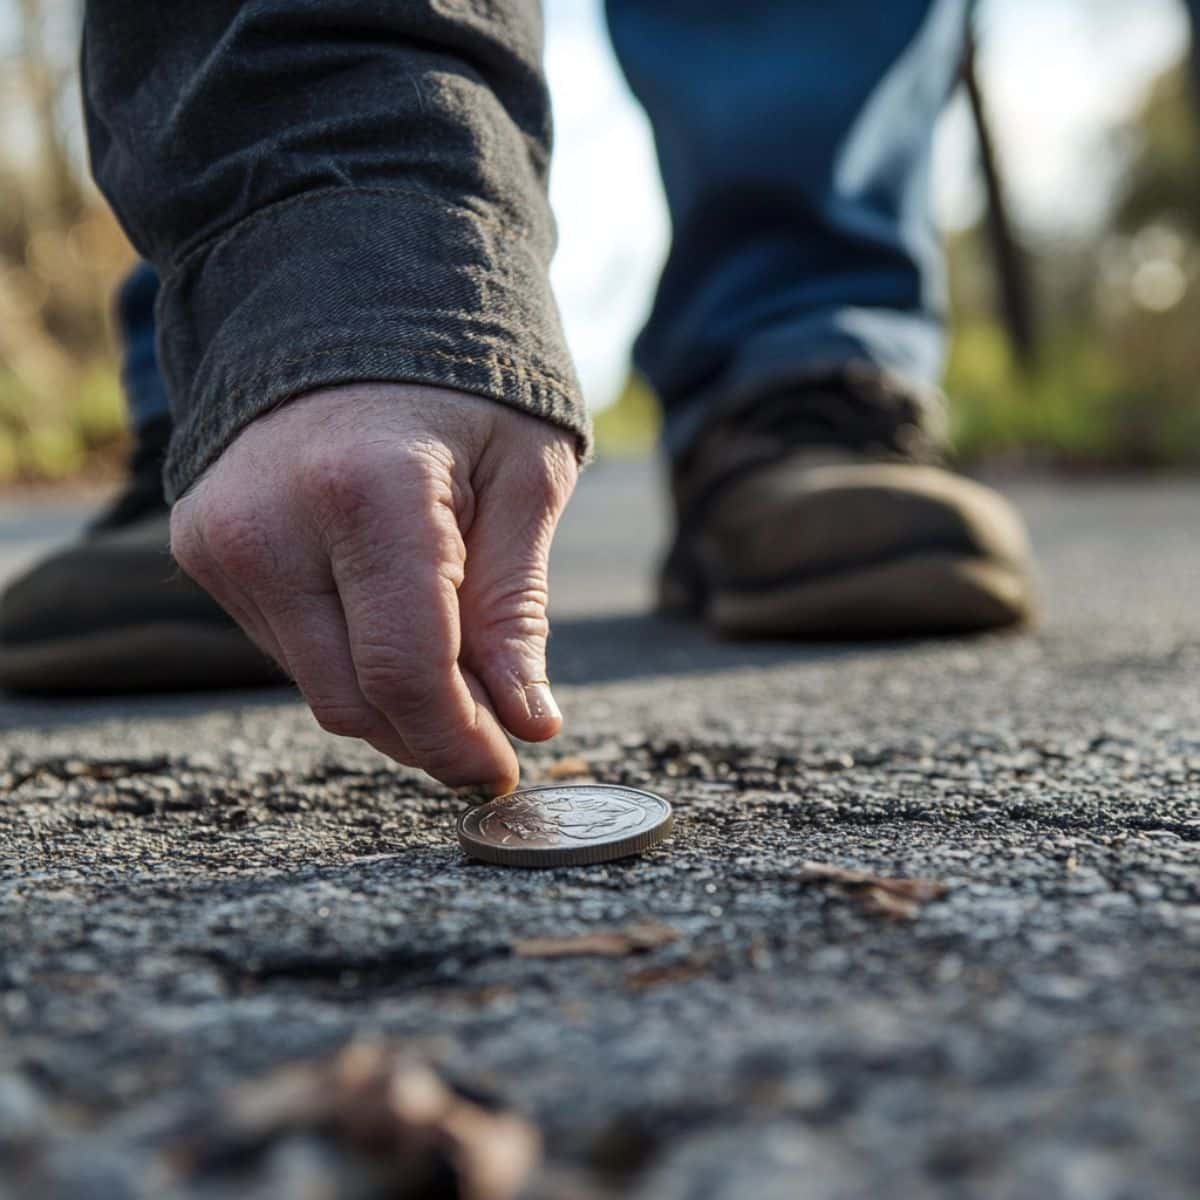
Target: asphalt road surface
196	890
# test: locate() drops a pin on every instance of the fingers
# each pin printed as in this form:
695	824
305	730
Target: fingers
305	635
505	596
397	566
387	545
315	647
192	552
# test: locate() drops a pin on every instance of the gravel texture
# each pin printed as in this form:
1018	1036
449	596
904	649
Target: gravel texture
196	890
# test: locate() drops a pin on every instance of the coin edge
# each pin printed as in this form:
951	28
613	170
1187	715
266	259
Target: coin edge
582	856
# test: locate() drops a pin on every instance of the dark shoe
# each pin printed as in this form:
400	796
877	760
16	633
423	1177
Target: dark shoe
113	613
827	514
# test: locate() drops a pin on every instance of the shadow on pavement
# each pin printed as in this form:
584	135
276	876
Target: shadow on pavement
27	712
605	649
583	649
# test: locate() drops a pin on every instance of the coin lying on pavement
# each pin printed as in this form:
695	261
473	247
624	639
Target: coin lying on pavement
564	825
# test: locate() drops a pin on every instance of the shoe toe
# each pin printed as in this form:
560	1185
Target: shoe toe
864	550
113	613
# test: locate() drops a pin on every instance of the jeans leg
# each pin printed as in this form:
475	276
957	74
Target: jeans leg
1193	12
145	389
795	142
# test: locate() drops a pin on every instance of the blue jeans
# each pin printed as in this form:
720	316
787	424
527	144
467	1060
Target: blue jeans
145	388
795	143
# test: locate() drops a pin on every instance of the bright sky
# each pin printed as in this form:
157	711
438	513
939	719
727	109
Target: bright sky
1060	74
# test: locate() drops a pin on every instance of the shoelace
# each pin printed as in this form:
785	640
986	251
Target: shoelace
865	419
858	411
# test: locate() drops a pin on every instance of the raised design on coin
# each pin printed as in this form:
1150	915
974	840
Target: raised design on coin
565	824
581	818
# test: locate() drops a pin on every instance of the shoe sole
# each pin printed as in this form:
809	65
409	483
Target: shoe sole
163	657
919	595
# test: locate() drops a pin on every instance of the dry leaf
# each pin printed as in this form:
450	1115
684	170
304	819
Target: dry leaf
568	768
677	972
606	943
901	899
882	903
378	1107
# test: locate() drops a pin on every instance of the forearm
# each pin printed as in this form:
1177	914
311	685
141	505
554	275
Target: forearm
332	191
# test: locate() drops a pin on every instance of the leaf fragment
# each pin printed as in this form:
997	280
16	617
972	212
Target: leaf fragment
898	898
568	768
373	1108
666	973
637	938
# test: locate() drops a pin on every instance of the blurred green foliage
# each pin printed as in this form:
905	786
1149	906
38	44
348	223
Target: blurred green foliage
1117	380
84	431
61	255
629	427
1067	409
1115	384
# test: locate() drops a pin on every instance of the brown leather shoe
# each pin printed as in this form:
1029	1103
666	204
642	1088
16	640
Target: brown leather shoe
825	513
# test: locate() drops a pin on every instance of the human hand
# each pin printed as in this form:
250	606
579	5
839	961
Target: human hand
387	544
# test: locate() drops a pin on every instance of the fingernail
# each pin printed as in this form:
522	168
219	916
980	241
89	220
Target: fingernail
539	699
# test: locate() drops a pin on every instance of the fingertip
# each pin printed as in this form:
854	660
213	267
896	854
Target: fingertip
511	778
509	783
497	776
541	732
540	702
480	793
502	779
543	718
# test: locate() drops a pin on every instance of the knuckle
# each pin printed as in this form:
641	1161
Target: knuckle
347	493
235	538
515	607
523	622
343	719
186	544
340	488
407	691
557	472
548	484
425	458
520	641
395	685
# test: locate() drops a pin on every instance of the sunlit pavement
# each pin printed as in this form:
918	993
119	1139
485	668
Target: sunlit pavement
193	890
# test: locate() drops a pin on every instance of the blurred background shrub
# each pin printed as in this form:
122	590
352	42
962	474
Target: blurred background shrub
1116	382
61	254
1117	313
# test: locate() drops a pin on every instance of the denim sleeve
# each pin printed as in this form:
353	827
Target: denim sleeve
332	191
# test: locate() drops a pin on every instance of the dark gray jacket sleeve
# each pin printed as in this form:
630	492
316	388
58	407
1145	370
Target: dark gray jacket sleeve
332	191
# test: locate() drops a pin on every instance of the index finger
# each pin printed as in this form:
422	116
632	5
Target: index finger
398	573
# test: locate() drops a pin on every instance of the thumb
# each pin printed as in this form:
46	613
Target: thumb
504	597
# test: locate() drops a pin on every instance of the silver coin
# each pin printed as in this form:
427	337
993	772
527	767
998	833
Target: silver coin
565	825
